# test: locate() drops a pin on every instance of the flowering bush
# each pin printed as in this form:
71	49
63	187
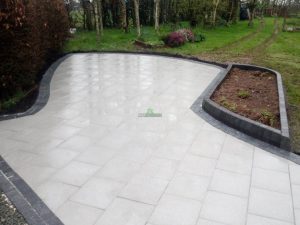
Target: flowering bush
179	37
174	39
188	34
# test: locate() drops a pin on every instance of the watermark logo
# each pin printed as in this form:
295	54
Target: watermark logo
150	113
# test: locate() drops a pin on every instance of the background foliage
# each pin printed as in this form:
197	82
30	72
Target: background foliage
31	32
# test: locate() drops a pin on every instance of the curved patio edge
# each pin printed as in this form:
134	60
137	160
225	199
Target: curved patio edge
44	87
44	93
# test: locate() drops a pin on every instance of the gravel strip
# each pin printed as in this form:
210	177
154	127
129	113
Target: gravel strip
8	213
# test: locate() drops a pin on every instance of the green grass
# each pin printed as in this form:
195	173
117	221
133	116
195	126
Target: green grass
279	51
115	39
257	39
284	56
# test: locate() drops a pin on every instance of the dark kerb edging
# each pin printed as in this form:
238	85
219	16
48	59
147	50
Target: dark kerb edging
279	138
43	92
33	209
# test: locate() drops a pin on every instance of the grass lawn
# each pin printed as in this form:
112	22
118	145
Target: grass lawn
283	55
115	39
264	44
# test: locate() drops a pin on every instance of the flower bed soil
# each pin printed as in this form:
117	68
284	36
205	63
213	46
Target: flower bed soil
252	94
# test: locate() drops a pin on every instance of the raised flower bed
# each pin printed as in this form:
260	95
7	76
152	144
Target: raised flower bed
250	99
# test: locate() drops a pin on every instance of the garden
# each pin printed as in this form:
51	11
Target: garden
232	36
253	32
80	156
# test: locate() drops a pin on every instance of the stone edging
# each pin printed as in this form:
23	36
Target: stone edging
279	138
43	92
32	208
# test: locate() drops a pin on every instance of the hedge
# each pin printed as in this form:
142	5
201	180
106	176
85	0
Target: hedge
31	33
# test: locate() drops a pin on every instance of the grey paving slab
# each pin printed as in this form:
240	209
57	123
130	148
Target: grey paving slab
271	204
76	213
93	160
224	208
173	210
257	220
123	211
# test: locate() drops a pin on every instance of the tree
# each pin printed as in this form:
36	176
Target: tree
88	13
234	9
96	12
251	11
215	8
100	13
261	6
286	4
137	17
123	15
156	14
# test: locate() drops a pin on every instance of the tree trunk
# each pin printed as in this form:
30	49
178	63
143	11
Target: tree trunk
215	4
95	5
251	12
100	13
231	11
234	11
84	20
286	6
156	14
88	8
137	17
123	18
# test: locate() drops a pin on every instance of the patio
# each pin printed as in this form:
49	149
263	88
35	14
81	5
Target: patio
94	160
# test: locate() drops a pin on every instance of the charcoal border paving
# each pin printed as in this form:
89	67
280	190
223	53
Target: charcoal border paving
24	198
43	92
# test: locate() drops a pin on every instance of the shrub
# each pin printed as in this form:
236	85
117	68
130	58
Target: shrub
174	39
199	38
31	33
178	37
188	34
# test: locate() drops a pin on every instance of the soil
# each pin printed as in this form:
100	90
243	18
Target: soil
252	94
